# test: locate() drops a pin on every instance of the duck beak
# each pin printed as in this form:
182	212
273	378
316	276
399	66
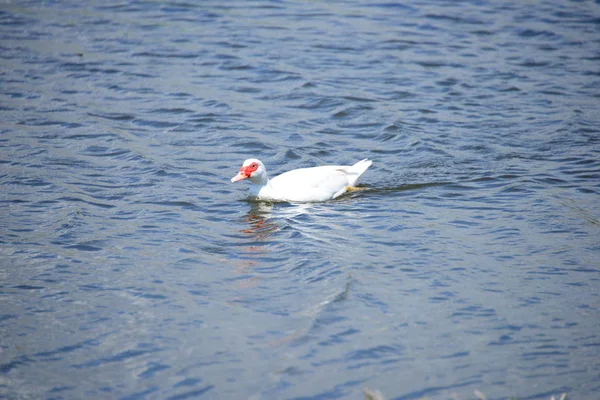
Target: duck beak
240	176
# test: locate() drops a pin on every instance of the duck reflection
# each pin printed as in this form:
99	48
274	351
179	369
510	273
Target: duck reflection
260	227
258	218
263	222
264	218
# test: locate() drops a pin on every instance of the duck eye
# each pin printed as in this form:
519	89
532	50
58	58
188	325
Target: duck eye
254	166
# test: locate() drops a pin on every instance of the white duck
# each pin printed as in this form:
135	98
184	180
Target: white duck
301	185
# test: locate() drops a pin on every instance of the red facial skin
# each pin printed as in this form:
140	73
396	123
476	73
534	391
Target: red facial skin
245	172
249	169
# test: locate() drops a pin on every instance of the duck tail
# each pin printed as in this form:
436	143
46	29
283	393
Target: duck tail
358	169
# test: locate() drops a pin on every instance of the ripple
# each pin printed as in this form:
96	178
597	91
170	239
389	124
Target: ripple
125	355
28	287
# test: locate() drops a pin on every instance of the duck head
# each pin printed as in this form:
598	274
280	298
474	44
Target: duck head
253	170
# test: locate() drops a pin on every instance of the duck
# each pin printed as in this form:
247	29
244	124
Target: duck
303	185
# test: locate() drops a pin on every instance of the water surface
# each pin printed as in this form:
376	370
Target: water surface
132	268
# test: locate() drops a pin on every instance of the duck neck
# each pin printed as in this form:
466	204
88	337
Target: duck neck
259	182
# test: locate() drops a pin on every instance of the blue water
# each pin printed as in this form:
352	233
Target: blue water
131	268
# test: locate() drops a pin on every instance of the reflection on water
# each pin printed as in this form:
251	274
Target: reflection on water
260	221
260	226
265	218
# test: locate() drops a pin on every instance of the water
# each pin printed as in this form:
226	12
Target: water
132	268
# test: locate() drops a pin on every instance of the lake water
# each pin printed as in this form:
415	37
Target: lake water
131	268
